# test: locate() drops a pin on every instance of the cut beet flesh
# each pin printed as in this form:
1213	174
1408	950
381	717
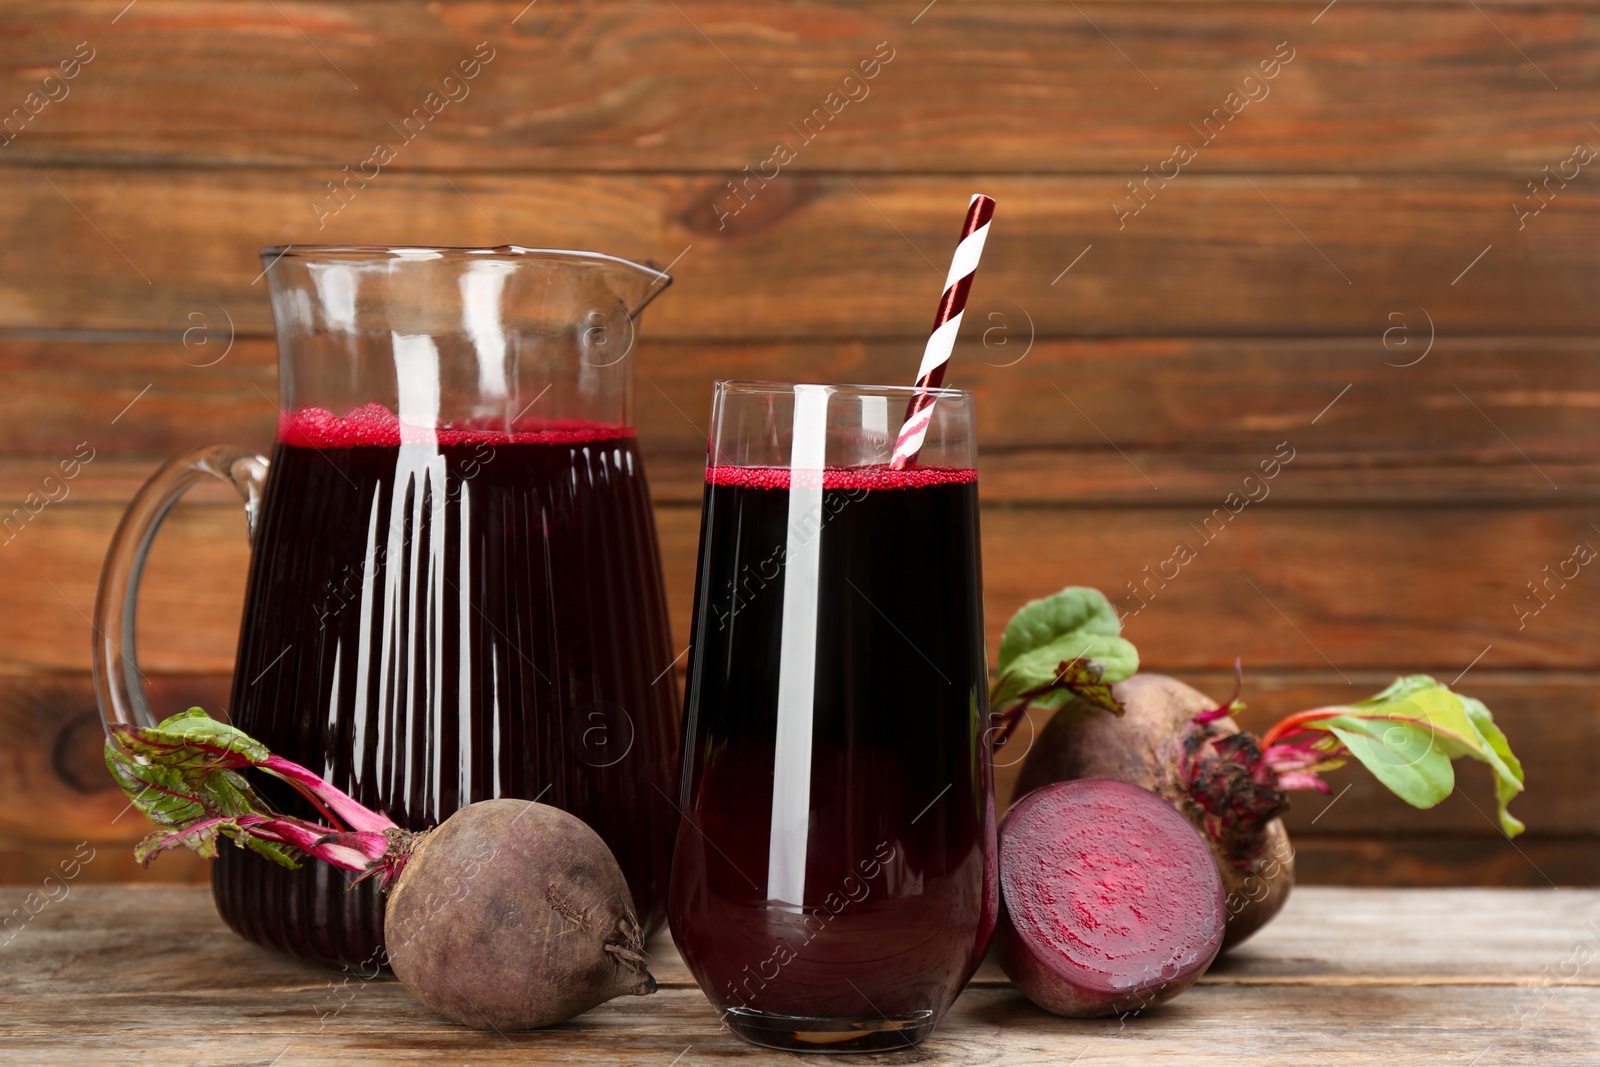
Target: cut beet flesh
1111	901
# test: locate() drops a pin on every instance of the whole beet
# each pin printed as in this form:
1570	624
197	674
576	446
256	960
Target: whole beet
1211	773
540	901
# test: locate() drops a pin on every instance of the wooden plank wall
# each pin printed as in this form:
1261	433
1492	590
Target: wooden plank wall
1355	265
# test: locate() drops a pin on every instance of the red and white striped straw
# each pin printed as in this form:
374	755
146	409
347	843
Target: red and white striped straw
946	324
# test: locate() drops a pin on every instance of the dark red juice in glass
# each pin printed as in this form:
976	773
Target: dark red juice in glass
446	620
832	888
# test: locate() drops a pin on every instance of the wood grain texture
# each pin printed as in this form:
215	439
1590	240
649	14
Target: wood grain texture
1102	478
1360	834
1472	419
1281	586
1428	977
1088	479
1532	861
31	862
1022	87
856	256
54	786
1418	858
1244	305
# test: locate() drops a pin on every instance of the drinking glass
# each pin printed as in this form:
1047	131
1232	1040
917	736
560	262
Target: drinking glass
834	880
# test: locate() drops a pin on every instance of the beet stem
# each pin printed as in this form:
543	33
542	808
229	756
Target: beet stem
1009	719
183	775
1296	724
345	808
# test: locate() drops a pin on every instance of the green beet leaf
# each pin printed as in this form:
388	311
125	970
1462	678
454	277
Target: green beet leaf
1062	646
202	838
178	771
194	737
184	775
1401	755
1508	778
176	774
1408	734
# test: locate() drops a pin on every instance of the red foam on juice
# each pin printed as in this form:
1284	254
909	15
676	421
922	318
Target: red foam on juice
877	476
375	425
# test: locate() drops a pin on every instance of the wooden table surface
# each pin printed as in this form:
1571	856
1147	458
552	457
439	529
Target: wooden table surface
1467	977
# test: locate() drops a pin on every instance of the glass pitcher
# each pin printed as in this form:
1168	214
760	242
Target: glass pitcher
455	588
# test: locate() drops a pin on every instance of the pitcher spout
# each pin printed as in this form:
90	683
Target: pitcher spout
638	283
443	338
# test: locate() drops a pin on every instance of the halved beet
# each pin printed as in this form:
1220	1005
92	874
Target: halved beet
1167	741
1110	901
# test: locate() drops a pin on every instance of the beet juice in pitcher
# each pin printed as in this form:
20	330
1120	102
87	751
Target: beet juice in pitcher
455	592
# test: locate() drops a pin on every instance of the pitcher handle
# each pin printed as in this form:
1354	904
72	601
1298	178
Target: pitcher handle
117	678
